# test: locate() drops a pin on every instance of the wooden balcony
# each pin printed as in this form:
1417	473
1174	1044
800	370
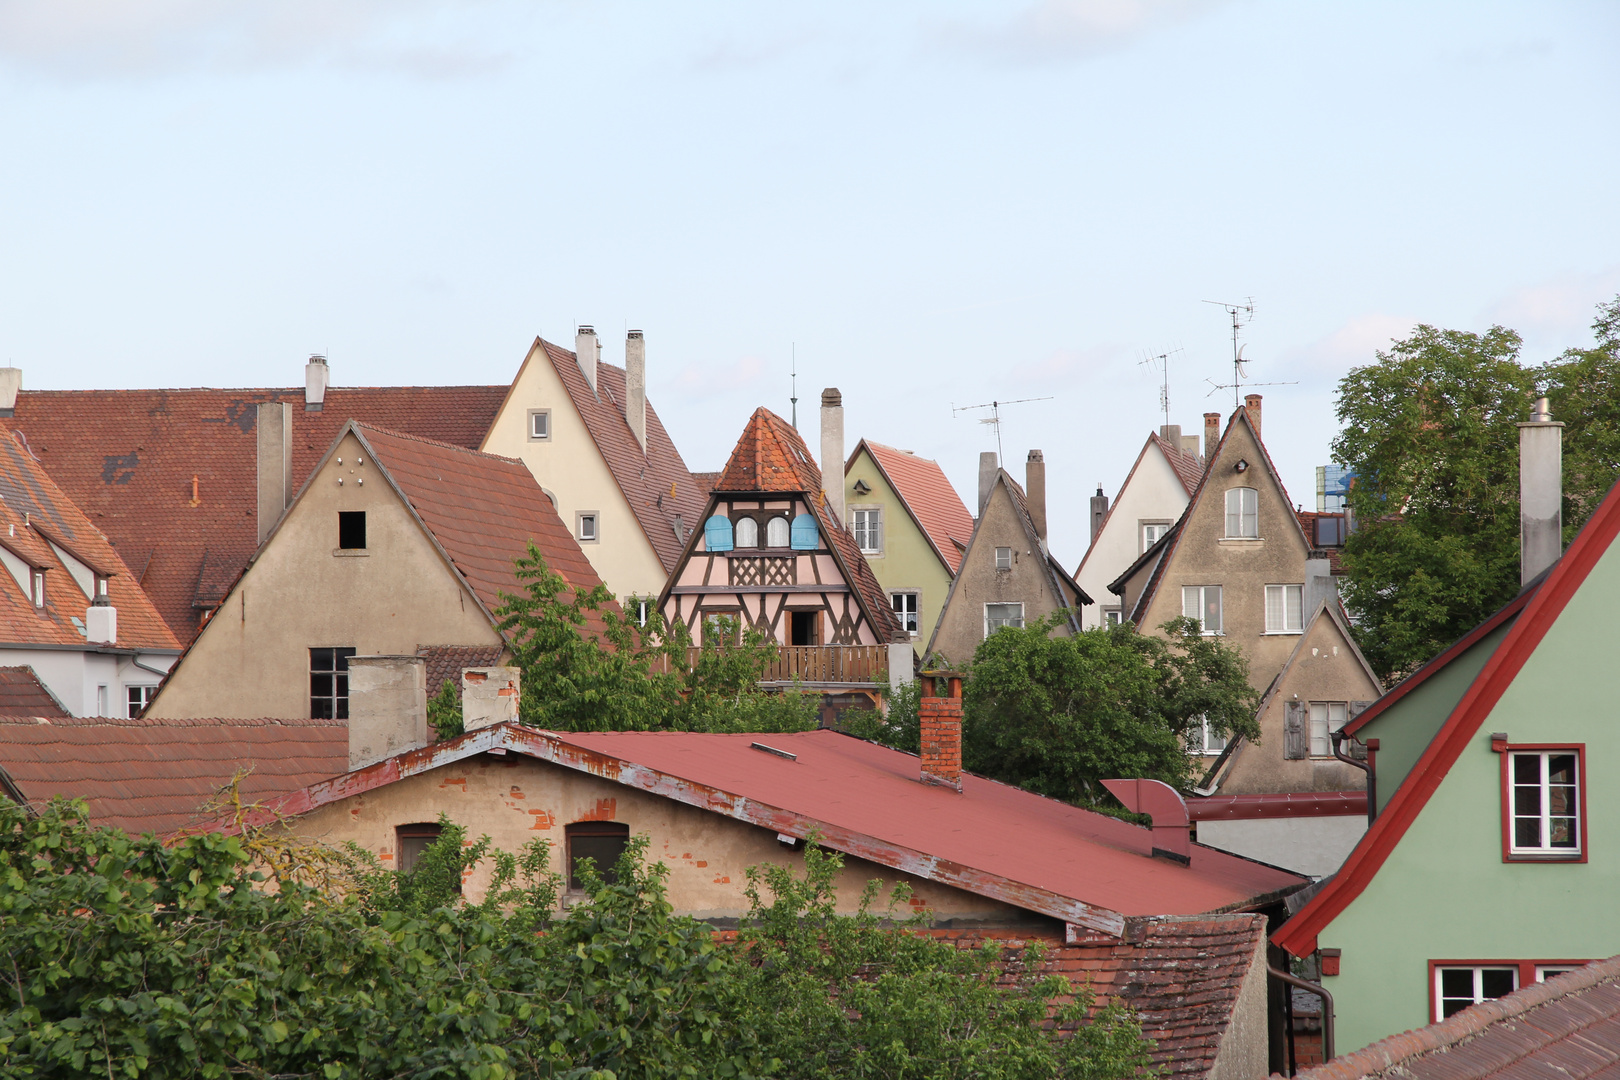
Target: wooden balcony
822	666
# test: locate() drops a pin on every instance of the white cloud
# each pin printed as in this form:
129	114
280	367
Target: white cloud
1049	31
1557	314
1354	344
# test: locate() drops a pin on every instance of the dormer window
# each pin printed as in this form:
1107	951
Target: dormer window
37	593
102	590
1242	513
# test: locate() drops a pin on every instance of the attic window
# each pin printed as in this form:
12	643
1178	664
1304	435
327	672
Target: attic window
38	591
1003	558
539	425
352	530
776	532
586	526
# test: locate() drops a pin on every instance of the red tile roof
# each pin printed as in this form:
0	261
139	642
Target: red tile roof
657	485
1189	468
1567	1027
928	496
770	456
36	519
127	457
22	694
705	481
445	663
154	775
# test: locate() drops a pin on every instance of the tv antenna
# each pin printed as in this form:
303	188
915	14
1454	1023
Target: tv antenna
994	419
1241	315
1161	364
793	371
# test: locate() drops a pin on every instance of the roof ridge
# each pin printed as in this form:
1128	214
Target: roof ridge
364	426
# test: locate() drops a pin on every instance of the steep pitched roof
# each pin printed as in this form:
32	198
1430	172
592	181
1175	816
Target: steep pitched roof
22	694
1540	610
1189	470
40	526
155	775
657	484
127	457
1567	1027
926	495
705	481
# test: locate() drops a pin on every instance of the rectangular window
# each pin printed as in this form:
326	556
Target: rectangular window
102	701
410	841
602	842
1330	531
1552	971
138	698
868	530
1203	739
722	626
1283	609
1242	513
585	526
638	607
39	588
352	530
1153	532
1003	558
1456	988
539	425
997	616
905	609
329	683
1544	793
1203	602
1326	718
1113	617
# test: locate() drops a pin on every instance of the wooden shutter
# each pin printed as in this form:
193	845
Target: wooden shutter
1296	743
1358	749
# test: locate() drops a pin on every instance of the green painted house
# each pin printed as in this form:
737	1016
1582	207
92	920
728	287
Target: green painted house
1495	857
911	526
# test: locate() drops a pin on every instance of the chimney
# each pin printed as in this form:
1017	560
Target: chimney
832	450
274	427
101	622
10	383
1189	445
317	377
1251	405
635	387
587	350
387	707
489	695
987	476
1320	586
1541	492
1212	435
1171	433
1035	492
941	722
1099	510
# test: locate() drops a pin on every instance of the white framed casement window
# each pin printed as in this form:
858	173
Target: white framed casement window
1544	803
1112	616
777	532
1284	609
1458	987
1552	971
1242	513
39	588
904	603
539	425
1203	739
587	526
1326	718
1003	558
867	527
138	697
747	532
997	616
1203	602
1152	533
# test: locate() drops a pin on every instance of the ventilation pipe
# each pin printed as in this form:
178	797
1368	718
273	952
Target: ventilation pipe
1541	492
832	451
587	350
635	387
317	377
1164	804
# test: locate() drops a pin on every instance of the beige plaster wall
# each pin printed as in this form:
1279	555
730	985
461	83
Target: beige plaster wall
514	799
1245	1048
252	658
569	467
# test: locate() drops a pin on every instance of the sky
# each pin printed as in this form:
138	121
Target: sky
927	205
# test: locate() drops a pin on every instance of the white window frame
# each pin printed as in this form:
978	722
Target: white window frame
1151	533
1004	558
38	579
1479	984
595	519
778	526
1280	618
146	692
1201	740
915	598
1112	616
544	416
1245	516
1552	971
1199	607
866	526
1544	815
1325	717
1000	623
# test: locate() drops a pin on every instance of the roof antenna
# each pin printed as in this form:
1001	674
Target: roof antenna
793	370
994	419
1162	363
1241	315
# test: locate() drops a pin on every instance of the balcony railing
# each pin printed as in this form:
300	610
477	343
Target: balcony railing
821	664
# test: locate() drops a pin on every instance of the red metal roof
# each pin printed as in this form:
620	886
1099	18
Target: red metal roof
928	496
22	694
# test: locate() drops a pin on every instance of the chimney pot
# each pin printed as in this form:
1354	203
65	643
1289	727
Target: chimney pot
274	432
489	696
387	707
940	719
10	383
635	387
1212	435
1099	510
832	451
1035	492
1251	405
1541	492
587	350
317	377
988	466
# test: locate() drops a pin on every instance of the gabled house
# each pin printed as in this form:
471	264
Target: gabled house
396	545
1492	863
912	527
1155	492
72	615
596	445
1007	575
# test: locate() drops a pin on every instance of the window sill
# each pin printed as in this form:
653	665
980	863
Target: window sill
1548	857
1240	540
351	553
1282	633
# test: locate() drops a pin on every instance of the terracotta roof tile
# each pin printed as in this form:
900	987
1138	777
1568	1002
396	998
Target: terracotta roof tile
127	457
705	481
445	663
1189	468
929	496
22	694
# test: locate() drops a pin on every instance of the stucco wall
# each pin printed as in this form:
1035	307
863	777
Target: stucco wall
907	562
73	676
1444	893
1151	493
1245	1048
514	799
569	468
252	658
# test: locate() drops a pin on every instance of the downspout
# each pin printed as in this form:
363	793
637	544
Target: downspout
1327	1010
1369	767
136	660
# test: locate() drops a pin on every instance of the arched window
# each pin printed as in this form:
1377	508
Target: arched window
717	534
1242	512
747	533
776	532
805	535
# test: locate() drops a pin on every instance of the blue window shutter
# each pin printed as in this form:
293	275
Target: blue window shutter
717	534
806	536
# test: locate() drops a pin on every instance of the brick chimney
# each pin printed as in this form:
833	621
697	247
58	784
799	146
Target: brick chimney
941	722
317	377
832	451
387	707
1035	491
1541	492
987	476
10	383
1099	510
635	387
274	431
587	350
489	696
1212	435
1251	405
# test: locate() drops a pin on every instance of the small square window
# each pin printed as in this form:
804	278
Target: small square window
905	609
1456	988
352	530
1203	739
1284	614
539	425
1113	617
1003	558
586	526
1203	602
138	698
1153	532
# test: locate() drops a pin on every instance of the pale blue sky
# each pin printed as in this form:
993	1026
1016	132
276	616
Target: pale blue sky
939	203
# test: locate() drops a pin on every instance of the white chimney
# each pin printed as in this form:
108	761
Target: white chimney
10	383
489	695
317	377
387	707
1541	492
832	450
101	622
274	427
587	350
635	387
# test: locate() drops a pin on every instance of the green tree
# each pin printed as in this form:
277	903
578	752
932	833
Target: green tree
1057	715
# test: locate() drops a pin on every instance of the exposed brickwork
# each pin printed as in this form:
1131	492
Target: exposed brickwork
941	722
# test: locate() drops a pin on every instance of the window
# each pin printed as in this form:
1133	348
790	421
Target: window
802	627
352	530
1153	532
997	616
1242	513
639	607
585	526
1456	988
39	588
722	626
600	841
1283	609
1203	602
1552	971
1326	718
1544	803
717	534
329	683
867	525
1003	558
1330	531
539	425
409	843
138	698
776	532
747	533
1202	739
1113	617
905	609
102	700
